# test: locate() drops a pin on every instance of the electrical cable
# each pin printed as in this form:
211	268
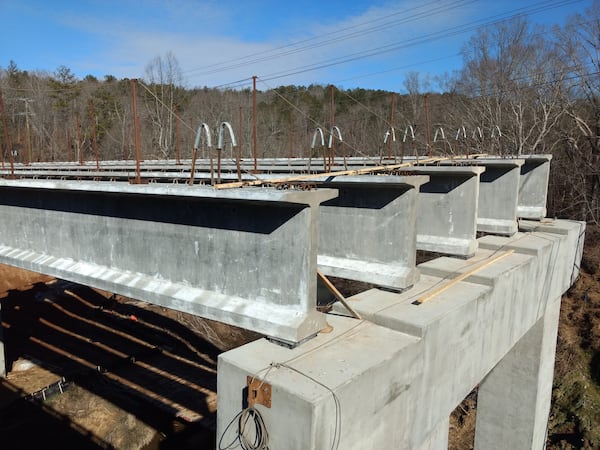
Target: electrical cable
427	38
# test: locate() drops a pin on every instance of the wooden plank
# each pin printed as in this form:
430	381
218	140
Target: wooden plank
486	263
351	172
338	295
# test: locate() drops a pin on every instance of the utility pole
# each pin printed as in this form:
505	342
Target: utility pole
28	128
254	120
6	138
427	125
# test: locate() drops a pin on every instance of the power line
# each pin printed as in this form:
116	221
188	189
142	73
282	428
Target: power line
353	32
423	39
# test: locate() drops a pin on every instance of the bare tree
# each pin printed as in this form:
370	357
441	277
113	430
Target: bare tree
165	81
510	80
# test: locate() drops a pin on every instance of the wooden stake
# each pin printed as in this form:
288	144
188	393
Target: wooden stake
337	294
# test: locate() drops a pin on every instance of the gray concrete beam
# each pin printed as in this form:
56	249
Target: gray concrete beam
438	438
498	194
533	186
513	400
216	254
368	232
480	319
447	212
402	387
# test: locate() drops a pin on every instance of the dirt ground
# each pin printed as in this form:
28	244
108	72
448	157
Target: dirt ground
134	375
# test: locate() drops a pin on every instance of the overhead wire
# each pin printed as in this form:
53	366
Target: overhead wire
354	32
424	39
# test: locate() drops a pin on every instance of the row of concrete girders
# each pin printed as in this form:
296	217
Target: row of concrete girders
368	233
402	370
494	214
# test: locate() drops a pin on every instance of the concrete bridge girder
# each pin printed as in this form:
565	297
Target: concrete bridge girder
217	254
447	213
368	232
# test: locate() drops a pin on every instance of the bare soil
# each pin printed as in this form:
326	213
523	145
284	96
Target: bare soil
137	375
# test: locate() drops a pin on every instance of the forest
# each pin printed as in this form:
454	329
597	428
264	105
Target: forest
523	89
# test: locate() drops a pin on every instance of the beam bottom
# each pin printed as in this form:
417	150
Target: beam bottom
261	317
394	276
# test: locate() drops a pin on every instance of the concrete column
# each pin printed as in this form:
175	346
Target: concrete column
514	398
438	438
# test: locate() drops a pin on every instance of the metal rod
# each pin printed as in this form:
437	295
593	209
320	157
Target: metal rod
94	135
254	121
136	132
6	137
337	294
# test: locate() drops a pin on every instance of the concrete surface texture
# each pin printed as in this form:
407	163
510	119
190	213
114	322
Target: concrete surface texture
533	186
498	193
498	320
368	232
447	215
175	246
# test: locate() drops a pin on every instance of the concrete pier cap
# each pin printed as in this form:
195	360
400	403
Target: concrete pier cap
447	213
218	254
495	328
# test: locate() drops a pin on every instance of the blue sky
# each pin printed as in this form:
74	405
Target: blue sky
351	43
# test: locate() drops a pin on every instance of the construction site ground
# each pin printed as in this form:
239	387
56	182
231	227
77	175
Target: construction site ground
90	370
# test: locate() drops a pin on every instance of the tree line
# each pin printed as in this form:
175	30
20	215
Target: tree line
523	89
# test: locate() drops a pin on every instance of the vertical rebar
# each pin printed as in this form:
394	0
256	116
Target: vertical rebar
94	135
6	137
254	121
136	132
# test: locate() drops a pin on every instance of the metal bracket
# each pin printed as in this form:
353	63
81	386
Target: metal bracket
259	392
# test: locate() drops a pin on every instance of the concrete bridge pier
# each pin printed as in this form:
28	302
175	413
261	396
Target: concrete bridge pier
514	398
